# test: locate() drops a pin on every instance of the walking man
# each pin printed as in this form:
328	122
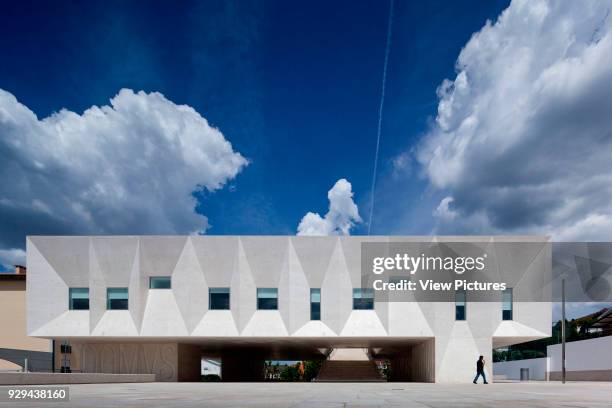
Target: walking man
480	370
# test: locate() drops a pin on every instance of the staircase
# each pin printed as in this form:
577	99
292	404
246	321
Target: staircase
358	368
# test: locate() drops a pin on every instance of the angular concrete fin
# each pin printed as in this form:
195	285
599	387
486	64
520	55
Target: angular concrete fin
507	328
363	323
218	323
415	323
520	255
115	323
162	315
267	258
243	306
68	256
97	290
159	255
299	288
265	323
453	347
336	293
190	287
382	312
116	256
70	323
350	247
314	254
43	282
314	328
138	292
217	257
284	297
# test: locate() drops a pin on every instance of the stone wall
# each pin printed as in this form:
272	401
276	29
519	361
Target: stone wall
168	361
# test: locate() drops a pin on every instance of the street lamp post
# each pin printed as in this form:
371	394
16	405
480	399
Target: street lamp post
563	331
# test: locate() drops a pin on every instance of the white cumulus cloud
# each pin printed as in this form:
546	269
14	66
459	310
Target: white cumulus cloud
343	213
522	141
128	167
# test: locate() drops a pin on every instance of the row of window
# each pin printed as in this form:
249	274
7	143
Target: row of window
218	298
461	305
267	299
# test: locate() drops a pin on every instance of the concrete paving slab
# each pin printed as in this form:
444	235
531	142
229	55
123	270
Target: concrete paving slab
333	395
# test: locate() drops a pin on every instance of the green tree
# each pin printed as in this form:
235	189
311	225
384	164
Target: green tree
290	373
311	369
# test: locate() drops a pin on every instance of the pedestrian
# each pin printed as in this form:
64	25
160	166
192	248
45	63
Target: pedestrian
480	370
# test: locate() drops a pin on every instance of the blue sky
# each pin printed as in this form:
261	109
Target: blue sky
260	117
294	89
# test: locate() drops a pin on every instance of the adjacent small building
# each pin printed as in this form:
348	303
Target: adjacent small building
15	345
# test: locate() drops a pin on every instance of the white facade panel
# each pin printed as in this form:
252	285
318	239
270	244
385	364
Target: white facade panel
293	265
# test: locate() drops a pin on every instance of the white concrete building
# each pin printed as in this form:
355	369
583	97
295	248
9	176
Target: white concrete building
158	304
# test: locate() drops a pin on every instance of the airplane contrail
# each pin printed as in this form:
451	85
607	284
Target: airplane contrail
380	111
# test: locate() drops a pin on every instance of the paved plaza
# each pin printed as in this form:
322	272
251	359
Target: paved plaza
334	395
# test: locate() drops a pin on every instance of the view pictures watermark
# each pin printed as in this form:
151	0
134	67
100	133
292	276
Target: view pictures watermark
532	269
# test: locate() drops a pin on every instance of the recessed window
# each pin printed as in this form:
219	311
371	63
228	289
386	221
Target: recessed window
507	304
267	298
160	282
315	304
363	299
460	305
218	298
78	298
116	299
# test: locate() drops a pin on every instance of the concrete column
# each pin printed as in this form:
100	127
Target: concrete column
189	363
401	366
423	367
415	363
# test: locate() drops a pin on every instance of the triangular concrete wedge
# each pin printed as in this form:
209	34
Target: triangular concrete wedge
314	254
515	329
265	324
70	323
115	323
363	323
159	255
314	328
414	321
267	258
216	323
162	315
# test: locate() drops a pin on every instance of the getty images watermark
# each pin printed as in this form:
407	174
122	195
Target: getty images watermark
532	269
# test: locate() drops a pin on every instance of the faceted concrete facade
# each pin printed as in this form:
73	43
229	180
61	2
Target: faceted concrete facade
422	339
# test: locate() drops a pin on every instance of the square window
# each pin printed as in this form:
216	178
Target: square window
78	298
160	282
363	299
116	299
218	298
267	298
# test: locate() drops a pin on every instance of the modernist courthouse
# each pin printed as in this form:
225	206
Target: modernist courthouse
158	304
